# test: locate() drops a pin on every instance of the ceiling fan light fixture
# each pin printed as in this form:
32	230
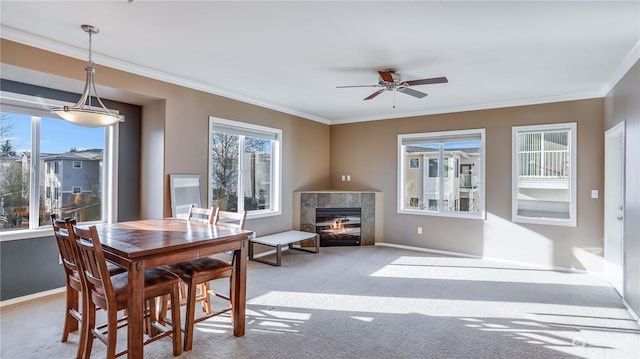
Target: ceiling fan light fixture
82	113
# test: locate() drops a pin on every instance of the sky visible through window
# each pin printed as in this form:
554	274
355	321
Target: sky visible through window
56	135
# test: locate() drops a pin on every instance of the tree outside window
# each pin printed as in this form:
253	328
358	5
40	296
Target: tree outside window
243	167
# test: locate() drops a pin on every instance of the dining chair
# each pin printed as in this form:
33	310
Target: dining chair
201	271
74	286
206	215
110	293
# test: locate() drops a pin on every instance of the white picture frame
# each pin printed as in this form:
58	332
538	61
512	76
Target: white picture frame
186	189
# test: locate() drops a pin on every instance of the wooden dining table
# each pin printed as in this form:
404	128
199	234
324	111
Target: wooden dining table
142	244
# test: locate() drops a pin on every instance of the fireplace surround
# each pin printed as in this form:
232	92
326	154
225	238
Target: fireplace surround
370	203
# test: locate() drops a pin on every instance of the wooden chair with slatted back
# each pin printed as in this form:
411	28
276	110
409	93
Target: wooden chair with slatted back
74	286
110	293
203	270
206	215
74	281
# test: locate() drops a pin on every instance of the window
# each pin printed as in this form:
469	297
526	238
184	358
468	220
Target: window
77	189
544	181
451	182
77	164
35	150
244	167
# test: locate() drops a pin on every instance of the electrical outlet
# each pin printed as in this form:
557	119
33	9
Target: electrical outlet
348	178
343	178
419	230
594	193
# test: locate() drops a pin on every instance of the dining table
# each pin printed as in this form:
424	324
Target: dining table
148	243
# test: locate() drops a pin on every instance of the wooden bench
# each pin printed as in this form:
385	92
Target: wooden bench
278	240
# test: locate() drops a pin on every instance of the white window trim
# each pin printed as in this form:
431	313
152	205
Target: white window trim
77	167
573	149
276	164
481	214
39	107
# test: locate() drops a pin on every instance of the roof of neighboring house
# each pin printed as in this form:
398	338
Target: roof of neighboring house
93	154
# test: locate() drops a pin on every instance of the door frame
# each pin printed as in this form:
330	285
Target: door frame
618	180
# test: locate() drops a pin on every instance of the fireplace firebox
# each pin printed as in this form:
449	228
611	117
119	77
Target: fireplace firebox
338	226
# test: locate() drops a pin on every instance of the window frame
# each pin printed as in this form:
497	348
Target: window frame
79	165
481	214
573	155
38	108
247	129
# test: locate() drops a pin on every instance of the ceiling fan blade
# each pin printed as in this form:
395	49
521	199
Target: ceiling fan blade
386	76
374	94
343	87
412	92
435	80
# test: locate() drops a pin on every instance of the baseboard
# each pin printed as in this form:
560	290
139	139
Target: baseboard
25	298
633	313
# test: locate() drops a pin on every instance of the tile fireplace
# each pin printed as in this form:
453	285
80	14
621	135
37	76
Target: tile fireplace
314	212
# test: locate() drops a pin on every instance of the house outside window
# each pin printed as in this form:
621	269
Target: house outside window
544	167
451	182
244	167
36	149
77	189
77	164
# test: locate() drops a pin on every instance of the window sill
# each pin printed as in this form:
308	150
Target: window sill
461	215
25	234
545	221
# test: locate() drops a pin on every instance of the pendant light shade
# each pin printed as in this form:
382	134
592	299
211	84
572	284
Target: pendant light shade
82	113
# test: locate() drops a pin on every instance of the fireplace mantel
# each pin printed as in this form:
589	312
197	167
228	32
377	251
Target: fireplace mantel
370	203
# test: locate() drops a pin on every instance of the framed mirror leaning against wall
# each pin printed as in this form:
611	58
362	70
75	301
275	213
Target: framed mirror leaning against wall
186	189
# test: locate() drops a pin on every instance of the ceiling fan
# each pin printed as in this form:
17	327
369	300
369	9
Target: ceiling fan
389	80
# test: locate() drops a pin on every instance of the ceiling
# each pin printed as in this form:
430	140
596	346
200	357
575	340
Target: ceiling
290	56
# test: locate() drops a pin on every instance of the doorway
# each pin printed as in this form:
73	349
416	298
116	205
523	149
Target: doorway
614	206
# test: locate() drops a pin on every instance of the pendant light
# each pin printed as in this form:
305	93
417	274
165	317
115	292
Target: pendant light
82	113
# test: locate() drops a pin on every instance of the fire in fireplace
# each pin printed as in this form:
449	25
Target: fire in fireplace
338	226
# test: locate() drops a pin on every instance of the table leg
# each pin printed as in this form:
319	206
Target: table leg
136	310
239	290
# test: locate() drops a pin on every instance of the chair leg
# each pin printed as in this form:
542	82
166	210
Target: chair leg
112	333
190	316
164	308
153	317
83	329
175	318
206	301
231	295
70	322
89	324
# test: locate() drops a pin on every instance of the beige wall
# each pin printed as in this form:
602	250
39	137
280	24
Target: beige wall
175	127
622	104
368	150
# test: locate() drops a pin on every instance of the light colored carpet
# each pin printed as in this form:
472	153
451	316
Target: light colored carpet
381	302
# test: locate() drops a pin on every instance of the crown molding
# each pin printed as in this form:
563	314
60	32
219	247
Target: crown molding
487	106
625	65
